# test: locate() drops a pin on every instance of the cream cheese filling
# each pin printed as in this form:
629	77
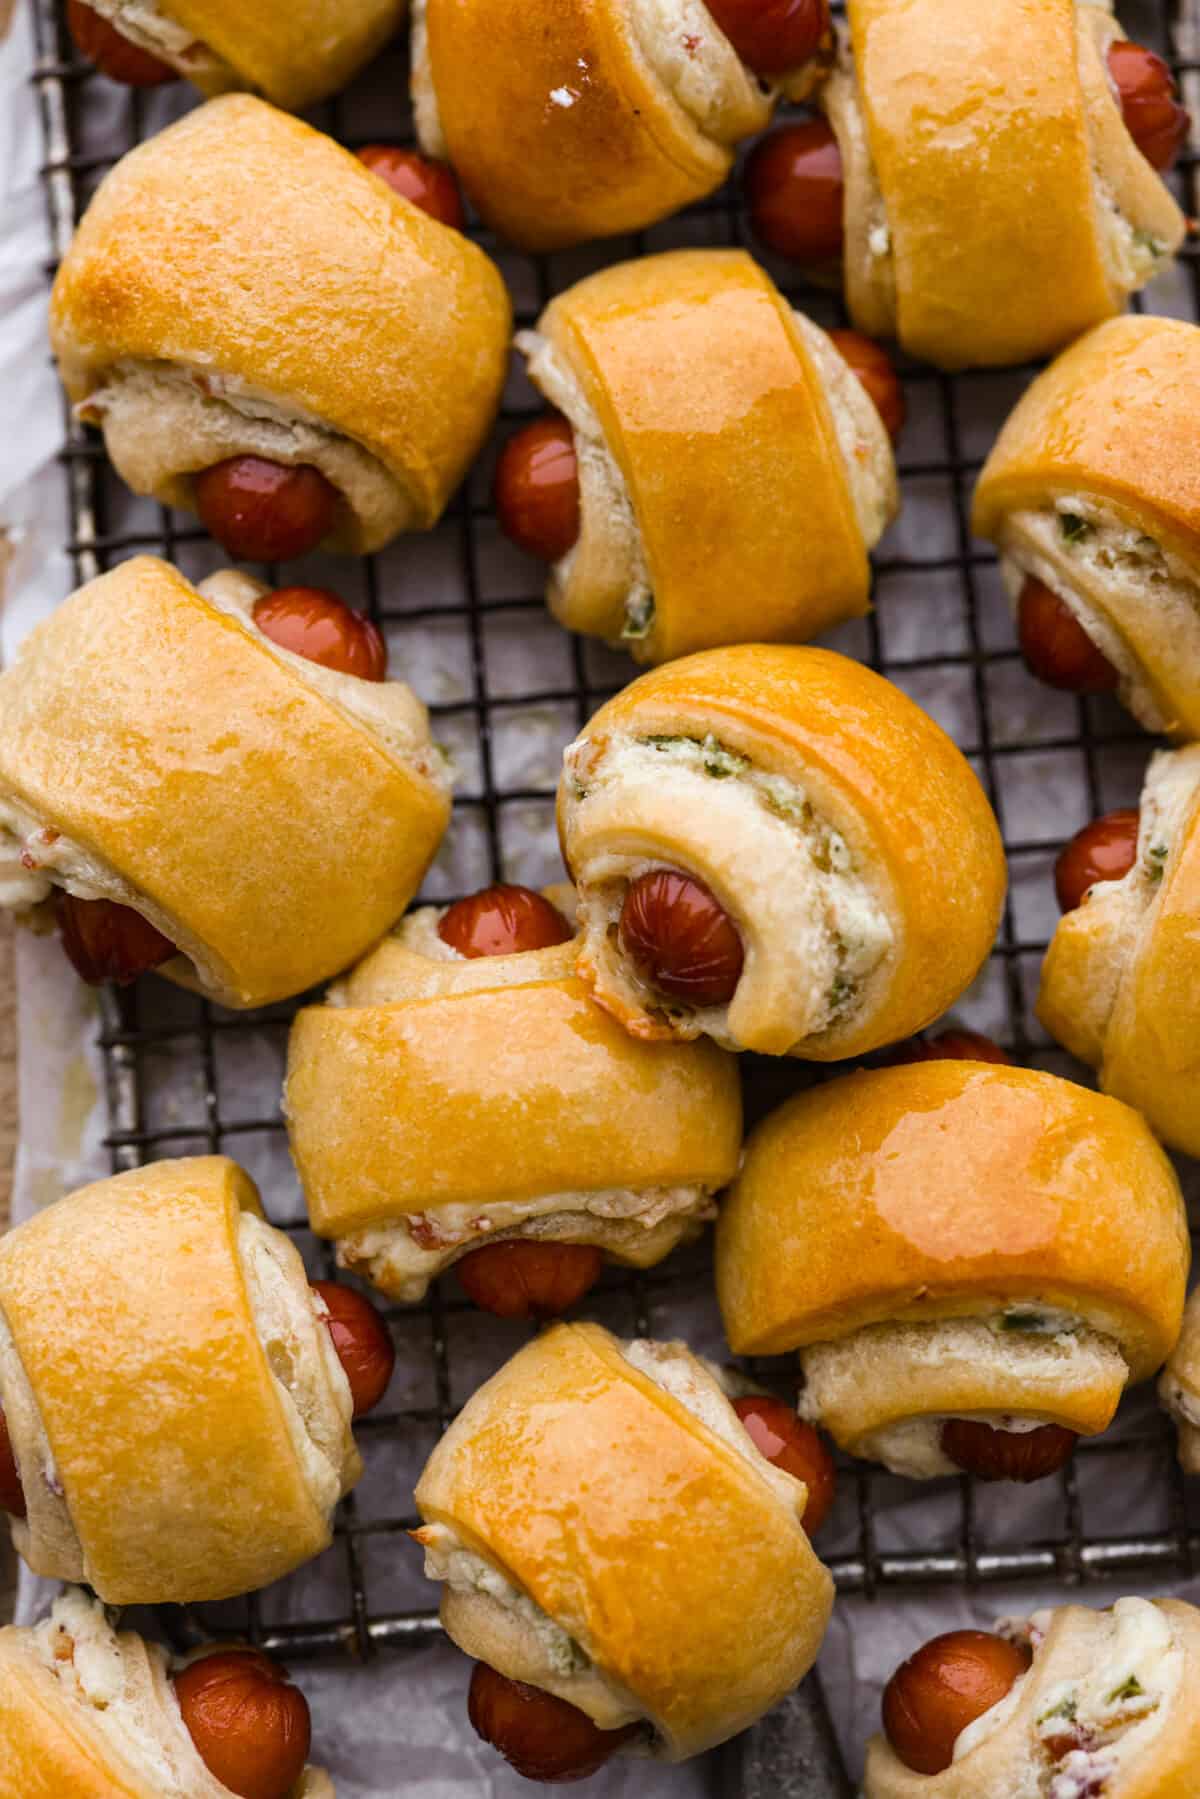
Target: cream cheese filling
1088	555
868	255
607	517
36	857
1055	1352
698	66
147	408
311	1382
125	1686
404	1255
1169	798
447	1559
828	932
1107	1715
45	1537
426	114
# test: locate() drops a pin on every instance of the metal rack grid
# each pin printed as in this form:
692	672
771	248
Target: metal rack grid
960	662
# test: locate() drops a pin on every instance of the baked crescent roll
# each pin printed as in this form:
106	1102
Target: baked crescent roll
270	817
1121	983
179	1419
293	55
590	117
90	1713
733	471
834	848
440	1102
1107	1707
606	1530
240	285
954	1240
995	203
1094	489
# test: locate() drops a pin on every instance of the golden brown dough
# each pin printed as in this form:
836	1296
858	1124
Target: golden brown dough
272	818
838	827
590	117
996	206
180	1421
734	473
293	55
982	1241
629	1507
440	1103
240	284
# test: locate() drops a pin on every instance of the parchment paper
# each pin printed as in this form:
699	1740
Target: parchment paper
399	1726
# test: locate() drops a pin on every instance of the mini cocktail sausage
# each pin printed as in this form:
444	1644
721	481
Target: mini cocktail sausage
362	1340
946	1685
250	1725
316	624
1105	850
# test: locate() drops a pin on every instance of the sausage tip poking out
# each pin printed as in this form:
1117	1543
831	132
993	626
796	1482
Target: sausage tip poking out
263	511
1149	99
537	489
680	938
363	1343
433	186
316	624
946	1685
949	1046
105	941
788	1442
520	1278
12	1494
1104	850
873	367
1019	1455
503	920
113	54
1055	645
542	1737
250	1725
774	37
795	190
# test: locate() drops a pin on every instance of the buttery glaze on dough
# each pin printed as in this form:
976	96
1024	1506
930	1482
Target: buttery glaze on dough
756	471
943	1192
172	1445
626	1519
222	786
997	205
438	1087
258	258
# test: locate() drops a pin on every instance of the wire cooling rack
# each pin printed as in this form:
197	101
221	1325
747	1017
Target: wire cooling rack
465	622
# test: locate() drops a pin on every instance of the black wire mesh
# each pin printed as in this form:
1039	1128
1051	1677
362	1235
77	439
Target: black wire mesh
941	630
